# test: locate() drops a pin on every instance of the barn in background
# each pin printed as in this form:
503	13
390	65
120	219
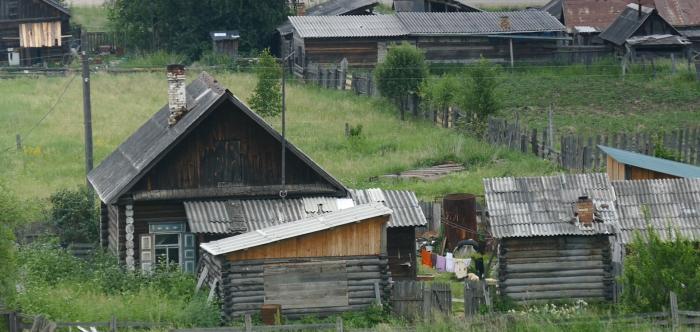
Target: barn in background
554	236
316	266
33	32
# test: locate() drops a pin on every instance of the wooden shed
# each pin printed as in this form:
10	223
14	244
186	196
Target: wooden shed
455	37
35	31
401	229
225	42
321	265
554	236
628	165
202	168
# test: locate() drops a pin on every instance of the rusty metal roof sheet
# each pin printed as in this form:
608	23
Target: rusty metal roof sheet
235	216
119	171
542	206
680	13
347	26
666	205
479	22
594	13
295	228
407	211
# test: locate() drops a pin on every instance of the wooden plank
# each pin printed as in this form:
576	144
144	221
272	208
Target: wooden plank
553	287
553	266
515	280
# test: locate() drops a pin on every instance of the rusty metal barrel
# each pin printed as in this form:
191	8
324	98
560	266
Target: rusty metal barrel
459	218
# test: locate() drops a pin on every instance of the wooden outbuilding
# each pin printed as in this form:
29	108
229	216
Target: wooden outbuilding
435	6
554	236
33	32
457	37
225	42
401	229
628	165
202	168
316	266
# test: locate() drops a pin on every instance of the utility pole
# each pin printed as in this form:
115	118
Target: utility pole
87	122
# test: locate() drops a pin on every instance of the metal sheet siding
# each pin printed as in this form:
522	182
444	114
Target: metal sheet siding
666	205
347	26
542	206
407	211
478	22
296	228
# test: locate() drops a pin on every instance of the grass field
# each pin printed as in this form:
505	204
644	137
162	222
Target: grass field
92	17
53	152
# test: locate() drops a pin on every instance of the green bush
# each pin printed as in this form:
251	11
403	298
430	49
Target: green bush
74	216
401	74
654	267
481	91
267	97
11	213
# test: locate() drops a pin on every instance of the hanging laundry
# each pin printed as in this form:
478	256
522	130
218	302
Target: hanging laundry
449	262
425	257
440	265
461	267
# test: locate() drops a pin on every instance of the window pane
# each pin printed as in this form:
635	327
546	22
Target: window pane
161	255
165	239
174	255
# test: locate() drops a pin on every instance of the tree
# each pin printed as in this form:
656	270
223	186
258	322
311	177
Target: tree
267	99
481	92
401	74
440	93
183	26
73	215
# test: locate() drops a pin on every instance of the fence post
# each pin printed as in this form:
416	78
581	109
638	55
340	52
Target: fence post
339	324
248	323
533	141
427	303
18	142
113	324
674	310
12	321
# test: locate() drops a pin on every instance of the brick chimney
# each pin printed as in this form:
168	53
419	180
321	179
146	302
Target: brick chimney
177	96
505	22
584	211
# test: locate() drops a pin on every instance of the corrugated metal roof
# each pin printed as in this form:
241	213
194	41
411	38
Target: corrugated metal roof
627	23
479	22
542	206
407	211
665	40
594	13
666	205
144	148
682	13
224	35
347	26
652	163
331	8
234	216
296	228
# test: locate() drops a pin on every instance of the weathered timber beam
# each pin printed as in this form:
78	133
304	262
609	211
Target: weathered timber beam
550	259
563	273
551	253
553	287
242	191
537	267
578	293
515	281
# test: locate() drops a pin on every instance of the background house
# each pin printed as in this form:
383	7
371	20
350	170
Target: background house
315	266
33	32
628	165
205	146
554	235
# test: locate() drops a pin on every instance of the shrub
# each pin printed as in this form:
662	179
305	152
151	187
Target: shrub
401	74
481	91
655	267
267	99
10	214
440	93
74	216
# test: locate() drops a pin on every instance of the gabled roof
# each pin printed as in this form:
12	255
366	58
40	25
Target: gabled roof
331	8
554	8
652	163
627	24
57	5
667	205
594	13
680	13
296	228
414	23
543	206
117	173
404	203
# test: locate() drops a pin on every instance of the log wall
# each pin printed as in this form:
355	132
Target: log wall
562	267
318	286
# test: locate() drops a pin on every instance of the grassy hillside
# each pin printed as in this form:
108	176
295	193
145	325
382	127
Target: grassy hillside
53	151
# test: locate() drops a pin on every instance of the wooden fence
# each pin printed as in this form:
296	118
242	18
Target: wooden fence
415	299
581	153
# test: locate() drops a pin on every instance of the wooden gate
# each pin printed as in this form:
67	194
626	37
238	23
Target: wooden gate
415	299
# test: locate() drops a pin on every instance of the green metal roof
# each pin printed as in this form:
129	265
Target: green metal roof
652	163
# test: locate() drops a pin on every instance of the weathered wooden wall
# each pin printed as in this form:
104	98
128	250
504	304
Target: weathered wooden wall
227	149
561	267
354	239
358	52
320	286
471	49
619	171
401	250
116	227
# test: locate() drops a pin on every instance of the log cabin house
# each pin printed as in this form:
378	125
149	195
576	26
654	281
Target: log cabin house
319	265
457	37
33	32
554	234
203	167
628	165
